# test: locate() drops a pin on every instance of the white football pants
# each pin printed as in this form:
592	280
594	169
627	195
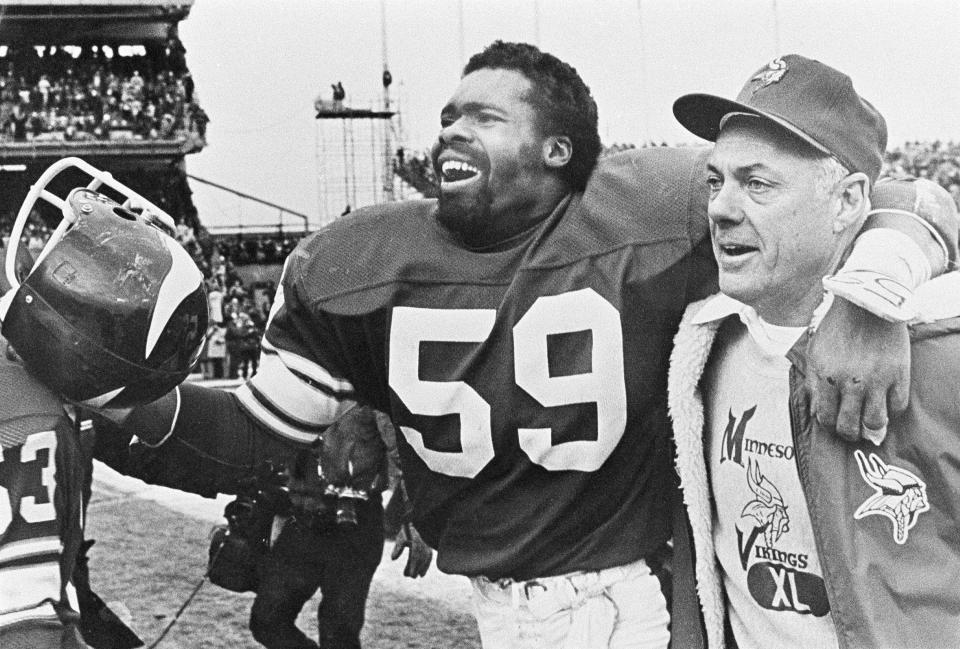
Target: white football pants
614	608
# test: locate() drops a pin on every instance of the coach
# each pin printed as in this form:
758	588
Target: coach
799	535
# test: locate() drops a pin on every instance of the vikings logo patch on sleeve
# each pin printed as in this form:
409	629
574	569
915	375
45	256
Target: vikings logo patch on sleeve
899	495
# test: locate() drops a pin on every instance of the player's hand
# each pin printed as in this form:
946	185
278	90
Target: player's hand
151	423
858	372
418	561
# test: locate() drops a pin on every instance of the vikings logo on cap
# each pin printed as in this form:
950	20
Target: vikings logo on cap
899	495
771	74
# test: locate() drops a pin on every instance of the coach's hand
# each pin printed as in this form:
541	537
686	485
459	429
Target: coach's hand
418	562
858	372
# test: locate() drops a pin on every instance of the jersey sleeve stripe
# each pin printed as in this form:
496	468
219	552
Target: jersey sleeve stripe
44	611
286	393
26	586
255	403
264	401
311	371
30	548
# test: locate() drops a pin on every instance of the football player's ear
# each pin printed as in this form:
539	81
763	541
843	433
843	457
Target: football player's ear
557	151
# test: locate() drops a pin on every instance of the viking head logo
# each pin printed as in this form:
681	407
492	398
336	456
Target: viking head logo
770	74
768	509
900	495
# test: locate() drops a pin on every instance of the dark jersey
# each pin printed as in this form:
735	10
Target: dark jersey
529	383
41	483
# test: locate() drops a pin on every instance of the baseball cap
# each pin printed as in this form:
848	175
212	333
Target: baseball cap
813	101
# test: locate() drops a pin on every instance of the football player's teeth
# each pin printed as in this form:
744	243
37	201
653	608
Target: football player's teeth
454	170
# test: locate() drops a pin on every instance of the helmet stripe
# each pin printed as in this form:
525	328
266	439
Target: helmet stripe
101	400
182	280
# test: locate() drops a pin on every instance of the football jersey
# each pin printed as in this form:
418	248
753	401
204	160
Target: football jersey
529	383
41	482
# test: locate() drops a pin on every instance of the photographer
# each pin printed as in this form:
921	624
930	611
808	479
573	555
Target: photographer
323	528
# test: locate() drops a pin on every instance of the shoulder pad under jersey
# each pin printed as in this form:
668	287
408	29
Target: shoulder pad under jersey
639	196
363	252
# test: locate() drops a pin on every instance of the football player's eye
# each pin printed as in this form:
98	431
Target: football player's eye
715	183
486	117
447	120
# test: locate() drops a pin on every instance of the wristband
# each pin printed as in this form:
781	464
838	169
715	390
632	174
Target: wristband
891	253
881	273
875	292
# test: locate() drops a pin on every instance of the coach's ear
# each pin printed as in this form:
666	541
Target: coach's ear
851	196
557	151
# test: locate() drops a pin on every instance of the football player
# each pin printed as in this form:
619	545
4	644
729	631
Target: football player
41	520
517	330
65	347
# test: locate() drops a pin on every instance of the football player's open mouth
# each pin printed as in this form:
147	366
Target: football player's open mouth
735	250
453	172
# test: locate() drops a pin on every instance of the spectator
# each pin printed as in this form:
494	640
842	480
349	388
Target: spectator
43	87
243	341
236	290
214	352
339	94
231	308
215	301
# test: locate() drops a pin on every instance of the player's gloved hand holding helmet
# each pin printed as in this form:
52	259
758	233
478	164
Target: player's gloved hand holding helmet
113	313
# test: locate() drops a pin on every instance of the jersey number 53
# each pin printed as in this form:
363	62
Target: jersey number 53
574	311
29	508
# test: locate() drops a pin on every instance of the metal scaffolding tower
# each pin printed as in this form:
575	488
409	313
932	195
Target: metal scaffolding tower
354	158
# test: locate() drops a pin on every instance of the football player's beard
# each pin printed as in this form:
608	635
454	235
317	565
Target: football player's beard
467	216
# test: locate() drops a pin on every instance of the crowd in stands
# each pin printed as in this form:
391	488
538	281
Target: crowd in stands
238	316
92	92
259	249
937	161
237	310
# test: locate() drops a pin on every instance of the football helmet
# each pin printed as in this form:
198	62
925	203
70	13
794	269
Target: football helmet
113	313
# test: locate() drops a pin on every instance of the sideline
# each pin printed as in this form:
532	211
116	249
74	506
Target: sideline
451	590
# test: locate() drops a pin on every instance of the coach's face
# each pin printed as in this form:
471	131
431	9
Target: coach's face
491	159
771	216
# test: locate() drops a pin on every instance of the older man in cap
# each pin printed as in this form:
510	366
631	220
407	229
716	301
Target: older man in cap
800	536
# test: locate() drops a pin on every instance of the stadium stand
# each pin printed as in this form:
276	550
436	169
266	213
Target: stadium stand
92	92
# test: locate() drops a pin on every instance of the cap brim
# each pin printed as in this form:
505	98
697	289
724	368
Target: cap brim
703	116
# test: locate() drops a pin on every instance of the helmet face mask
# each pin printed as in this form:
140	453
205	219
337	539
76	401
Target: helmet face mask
114	311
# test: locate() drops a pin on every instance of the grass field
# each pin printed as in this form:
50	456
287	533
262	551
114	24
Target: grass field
150	558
